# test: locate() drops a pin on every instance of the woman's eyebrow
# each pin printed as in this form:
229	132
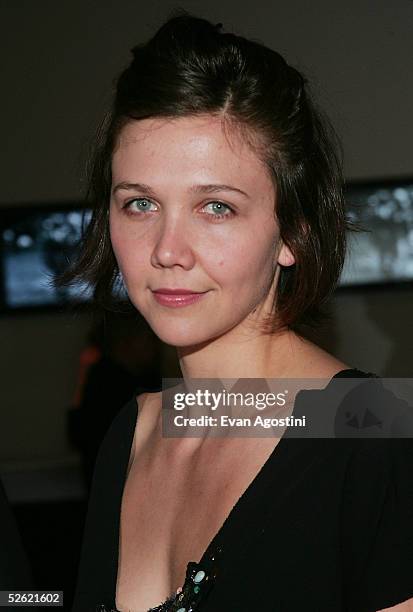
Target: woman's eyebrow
210	188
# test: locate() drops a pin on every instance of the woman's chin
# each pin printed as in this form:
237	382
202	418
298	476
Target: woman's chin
181	340
181	336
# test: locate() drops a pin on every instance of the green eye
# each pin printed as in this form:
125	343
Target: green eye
219	209
138	205
139	201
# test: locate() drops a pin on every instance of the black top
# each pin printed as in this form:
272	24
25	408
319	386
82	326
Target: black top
326	525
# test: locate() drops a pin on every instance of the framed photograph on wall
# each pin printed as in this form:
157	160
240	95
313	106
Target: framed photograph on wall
383	254
37	242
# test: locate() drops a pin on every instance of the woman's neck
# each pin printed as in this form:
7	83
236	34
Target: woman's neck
282	355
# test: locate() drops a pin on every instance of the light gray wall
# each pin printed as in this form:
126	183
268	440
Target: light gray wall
58	62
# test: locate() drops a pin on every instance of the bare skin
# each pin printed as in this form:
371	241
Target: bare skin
178	495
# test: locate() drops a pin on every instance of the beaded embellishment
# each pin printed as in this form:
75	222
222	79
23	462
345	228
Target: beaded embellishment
199	580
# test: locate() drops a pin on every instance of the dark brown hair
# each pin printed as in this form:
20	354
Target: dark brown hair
191	67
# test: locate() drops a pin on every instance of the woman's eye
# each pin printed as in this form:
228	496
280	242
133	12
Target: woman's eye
219	210
137	205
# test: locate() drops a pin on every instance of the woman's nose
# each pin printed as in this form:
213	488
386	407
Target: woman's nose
173	244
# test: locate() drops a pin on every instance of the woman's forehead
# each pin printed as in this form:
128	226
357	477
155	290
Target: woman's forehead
204	130
187	144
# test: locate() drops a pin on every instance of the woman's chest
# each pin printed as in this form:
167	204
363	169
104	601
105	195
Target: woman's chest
170	513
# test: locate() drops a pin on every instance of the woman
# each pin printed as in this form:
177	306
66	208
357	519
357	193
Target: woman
215	176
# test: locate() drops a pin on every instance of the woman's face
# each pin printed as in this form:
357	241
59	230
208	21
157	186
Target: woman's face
191	209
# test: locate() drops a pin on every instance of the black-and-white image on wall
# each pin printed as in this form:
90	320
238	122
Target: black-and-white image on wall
385	252
36	245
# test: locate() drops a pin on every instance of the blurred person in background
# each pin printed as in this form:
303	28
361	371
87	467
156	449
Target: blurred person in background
121	354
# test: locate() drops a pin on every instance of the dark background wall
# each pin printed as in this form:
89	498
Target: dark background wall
58	62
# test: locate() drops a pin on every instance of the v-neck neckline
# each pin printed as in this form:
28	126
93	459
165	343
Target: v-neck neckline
237	507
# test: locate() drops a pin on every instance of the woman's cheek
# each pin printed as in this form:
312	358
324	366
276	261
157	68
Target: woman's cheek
124	245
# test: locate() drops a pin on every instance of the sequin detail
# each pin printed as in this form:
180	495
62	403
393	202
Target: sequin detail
199	580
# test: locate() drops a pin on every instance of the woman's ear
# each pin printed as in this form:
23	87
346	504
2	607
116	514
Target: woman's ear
285	256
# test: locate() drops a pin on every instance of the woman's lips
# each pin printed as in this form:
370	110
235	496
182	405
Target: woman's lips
175	300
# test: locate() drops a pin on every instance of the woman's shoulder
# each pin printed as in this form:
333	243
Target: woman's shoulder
309	360
377	519
138	407
122	422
